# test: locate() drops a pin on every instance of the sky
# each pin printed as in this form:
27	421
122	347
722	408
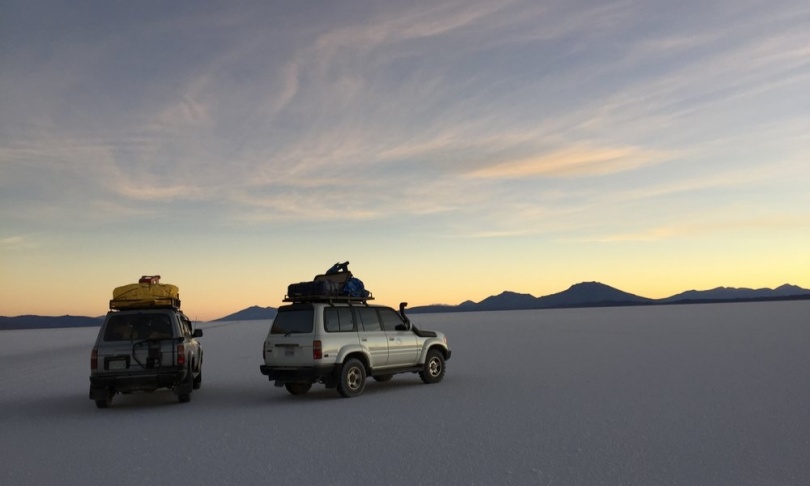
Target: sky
448	150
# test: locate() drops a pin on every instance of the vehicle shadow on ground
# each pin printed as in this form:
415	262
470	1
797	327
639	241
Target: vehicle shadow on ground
320	392
221	396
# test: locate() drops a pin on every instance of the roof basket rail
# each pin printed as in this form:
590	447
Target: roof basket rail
125	304
329	299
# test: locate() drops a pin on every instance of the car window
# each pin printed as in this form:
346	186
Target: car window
185	326
119	328
293	321
136	327
368	318
331	321
390	319
338	319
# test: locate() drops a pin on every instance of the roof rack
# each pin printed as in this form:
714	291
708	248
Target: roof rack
328	299
151	303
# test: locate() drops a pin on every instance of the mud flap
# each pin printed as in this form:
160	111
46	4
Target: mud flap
101	393
186	386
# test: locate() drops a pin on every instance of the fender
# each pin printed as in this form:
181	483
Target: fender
352	349
431	343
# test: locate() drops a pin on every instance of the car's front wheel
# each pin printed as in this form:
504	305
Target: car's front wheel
433	371
352	380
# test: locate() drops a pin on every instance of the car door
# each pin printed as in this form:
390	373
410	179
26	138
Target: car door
372	336
402	343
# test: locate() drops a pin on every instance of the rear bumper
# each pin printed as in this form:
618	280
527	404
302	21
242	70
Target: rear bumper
309	374
140	381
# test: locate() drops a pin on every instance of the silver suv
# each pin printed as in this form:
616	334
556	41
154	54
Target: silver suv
339	342
144	350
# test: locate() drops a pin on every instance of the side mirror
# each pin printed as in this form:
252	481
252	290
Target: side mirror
197	333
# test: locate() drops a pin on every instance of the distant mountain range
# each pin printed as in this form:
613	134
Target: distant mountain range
595	294
47	322
585	294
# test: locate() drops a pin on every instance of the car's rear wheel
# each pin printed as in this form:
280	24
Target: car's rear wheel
197	381
106	401
433	371
352	380
297	388
185	395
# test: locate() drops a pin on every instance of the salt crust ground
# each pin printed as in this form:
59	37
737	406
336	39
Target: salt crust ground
692	394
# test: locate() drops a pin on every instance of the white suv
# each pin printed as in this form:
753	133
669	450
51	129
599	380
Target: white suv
339	342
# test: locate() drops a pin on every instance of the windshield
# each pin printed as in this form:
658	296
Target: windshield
293	321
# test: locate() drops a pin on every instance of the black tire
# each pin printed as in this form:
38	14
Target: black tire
186	397
382	378
106	402
352	379
297	388
433	371
197	381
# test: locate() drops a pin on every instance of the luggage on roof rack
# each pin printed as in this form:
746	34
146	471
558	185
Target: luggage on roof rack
337	284
148	292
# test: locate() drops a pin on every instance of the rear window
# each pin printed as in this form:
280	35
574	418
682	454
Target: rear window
137	327
293	321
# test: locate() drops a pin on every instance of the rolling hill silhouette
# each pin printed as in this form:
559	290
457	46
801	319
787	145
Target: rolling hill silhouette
595	294
585	294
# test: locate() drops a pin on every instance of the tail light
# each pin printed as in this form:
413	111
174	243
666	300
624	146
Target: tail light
317	350
181	355
94	360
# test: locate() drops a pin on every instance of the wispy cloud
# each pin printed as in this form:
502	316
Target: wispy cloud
572	161
185	113
17	242
751	225
471	106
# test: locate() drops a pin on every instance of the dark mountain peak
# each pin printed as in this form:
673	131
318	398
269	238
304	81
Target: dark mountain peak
590	287
787	289
590	293
510	292
252	313
507	300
